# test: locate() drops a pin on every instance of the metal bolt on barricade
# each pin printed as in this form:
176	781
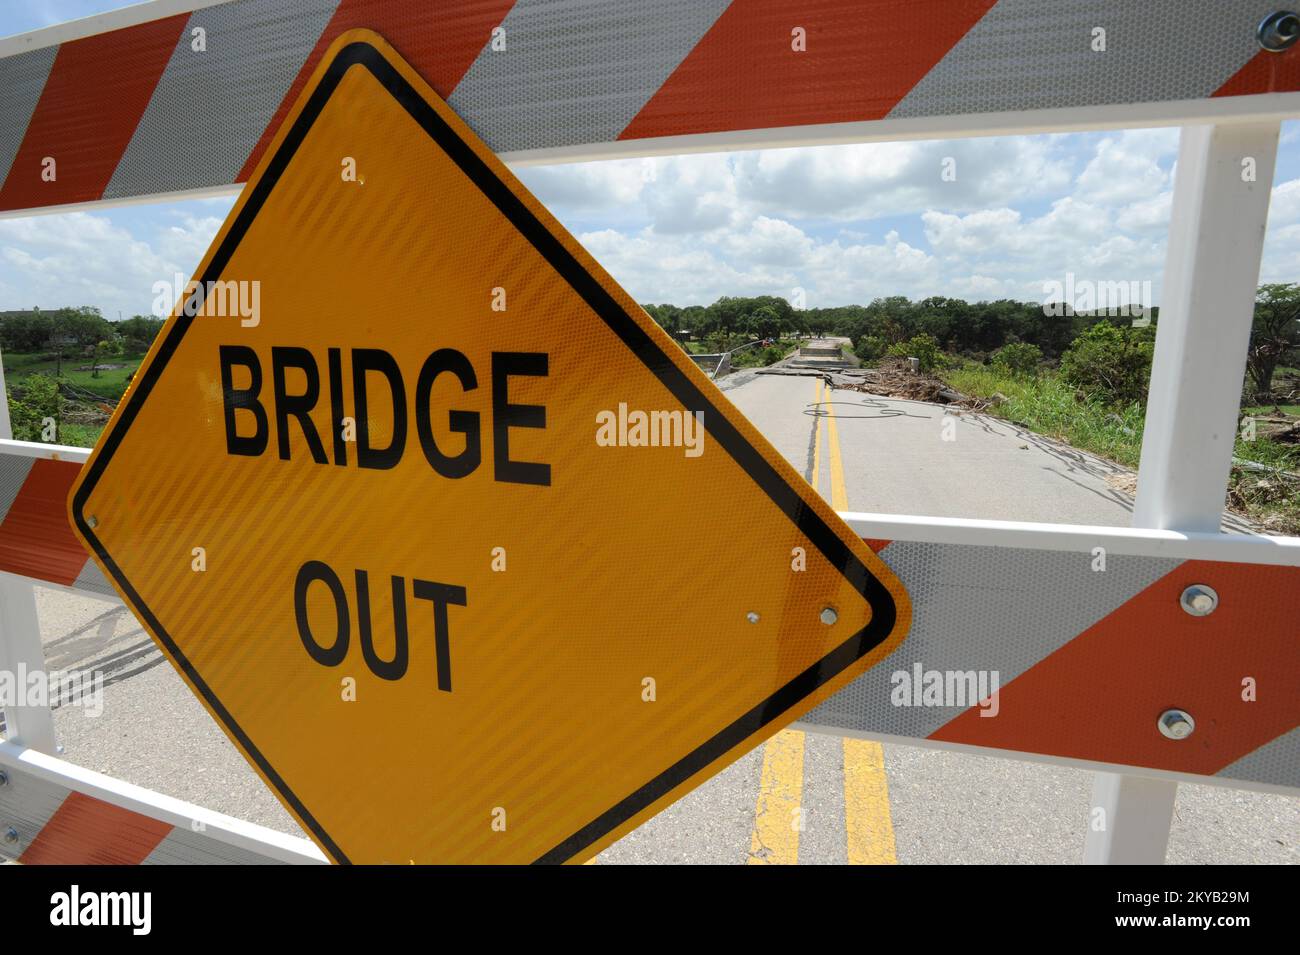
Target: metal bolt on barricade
1176	724
1278	32
1199	600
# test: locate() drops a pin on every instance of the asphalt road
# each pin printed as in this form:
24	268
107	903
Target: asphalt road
802	798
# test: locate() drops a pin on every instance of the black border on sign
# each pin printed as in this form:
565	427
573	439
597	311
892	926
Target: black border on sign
646	349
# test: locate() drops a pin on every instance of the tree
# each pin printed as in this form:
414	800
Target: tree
1019	359
1110	362
26	331
818	321
922	347
870	348
1275	332
83	327
32	404
139	331
765	322
104	349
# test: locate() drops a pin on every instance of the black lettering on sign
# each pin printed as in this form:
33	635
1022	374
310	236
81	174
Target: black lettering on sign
296	406
367	360
506	416
336	406
440	595
235	399
376	377
463	422
333	655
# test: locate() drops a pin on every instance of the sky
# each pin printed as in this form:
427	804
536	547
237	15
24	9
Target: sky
843	224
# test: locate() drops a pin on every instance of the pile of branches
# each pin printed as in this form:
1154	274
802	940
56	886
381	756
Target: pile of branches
893	378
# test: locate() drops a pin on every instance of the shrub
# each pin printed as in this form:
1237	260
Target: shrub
1017	358
30	405
759	357
1109	363
870	348
923	347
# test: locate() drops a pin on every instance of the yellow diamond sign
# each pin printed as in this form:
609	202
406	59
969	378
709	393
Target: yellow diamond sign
459	548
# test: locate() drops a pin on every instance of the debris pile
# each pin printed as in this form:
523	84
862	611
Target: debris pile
1280	426
894	378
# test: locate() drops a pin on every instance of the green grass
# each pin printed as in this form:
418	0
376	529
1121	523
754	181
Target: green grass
20	363
1272	499
1048	406
80	435
1273	454
1269	409
762	357
110	384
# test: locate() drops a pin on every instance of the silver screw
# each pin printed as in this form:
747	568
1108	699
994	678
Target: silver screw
11	834
1176	724
829	616
1199	600
92	522
751	617
1278	31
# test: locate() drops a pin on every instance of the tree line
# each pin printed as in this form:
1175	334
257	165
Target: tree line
960	327
976	330
75	332
981	330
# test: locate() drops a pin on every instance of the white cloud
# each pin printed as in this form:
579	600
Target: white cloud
1282	241
589	186
692	194
74	259
847	224
770	242
1284	209
1126	168
882	179
84	258
1147	215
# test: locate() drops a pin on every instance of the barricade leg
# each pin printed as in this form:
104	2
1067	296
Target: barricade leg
1216	239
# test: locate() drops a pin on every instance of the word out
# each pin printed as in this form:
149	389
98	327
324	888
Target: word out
441	596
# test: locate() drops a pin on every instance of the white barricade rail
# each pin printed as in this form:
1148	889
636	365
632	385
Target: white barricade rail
55	813
1084	660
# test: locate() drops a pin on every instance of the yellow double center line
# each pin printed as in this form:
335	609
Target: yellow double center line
778	815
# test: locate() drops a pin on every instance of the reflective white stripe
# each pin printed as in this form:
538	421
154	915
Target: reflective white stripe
38	784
